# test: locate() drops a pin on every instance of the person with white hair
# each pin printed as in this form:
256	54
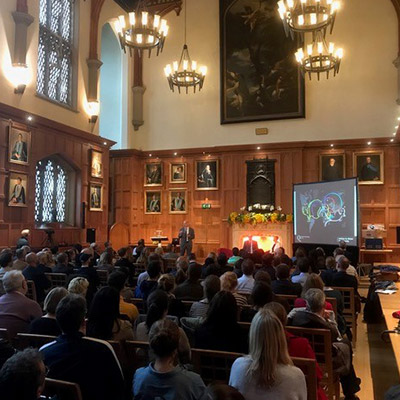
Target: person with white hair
23	240
16	310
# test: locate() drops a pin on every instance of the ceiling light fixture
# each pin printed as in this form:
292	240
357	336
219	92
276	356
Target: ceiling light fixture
186	73
142	31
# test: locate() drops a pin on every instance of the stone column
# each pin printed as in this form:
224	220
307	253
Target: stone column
137	120
94	66
22	21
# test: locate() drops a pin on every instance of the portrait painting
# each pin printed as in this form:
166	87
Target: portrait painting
369	167
96	197
178	173
97	164
177	201
19	144
207	175
153	174
18	190
152	202
260	77
332	166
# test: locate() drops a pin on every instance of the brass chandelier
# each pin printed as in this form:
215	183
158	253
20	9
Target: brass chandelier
185	73
142	31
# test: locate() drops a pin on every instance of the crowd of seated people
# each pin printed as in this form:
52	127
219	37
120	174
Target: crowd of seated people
222	294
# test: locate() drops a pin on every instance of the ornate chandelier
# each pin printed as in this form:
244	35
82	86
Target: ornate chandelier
142	31
319	57
302	16
185	74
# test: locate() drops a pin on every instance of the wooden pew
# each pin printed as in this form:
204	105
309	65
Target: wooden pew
57	279
349	310
24	340
61	390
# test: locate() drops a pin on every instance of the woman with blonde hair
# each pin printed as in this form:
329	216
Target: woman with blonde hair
229	283
78	285
268	371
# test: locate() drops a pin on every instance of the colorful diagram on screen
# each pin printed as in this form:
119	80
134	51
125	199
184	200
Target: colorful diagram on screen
330	209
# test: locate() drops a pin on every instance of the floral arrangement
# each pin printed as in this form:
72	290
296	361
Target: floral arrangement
259	214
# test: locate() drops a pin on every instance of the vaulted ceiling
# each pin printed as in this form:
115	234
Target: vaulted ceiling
130	5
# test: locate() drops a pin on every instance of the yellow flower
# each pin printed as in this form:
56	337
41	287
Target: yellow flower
246	218
274	217
289	218
259	218
232	216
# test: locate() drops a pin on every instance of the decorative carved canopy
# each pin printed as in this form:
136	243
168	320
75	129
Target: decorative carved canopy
162	6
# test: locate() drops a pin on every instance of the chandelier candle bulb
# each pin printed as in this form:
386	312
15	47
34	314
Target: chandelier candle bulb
121	20
194	65
185	65
117	27
331	47
132	18
156	21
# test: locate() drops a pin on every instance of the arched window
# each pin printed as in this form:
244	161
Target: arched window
56	52
54	191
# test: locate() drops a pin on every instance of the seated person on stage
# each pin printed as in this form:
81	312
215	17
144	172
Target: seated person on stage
303	266
16	310
235	257
220	330
6	262
22	376
104	319
73	357
157	309
47	325
316	316
211	286
282	284
117	281
298	346
246	281
163	378
229	283
33	273
191	288
268	371
62	266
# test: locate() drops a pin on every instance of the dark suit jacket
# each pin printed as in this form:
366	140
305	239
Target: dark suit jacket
183	238
342	279
41	282
189	291
286	287
247	246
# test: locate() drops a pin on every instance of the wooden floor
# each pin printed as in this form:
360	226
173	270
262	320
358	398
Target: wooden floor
374	360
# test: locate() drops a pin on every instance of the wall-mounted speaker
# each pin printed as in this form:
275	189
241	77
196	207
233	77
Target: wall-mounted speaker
90	235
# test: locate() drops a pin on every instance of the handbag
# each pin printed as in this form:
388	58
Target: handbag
342	358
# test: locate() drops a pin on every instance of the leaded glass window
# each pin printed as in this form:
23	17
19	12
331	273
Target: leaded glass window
55	52
50	192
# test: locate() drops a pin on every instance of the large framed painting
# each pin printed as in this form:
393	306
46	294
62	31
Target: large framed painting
177	173
260	77
18	190
19	146
368	166
177	201
153	173
152	202
96	197
332	166
207	175
96	164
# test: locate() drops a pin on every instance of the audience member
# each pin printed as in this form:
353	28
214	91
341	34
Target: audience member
139	248
246	282
315	316
78	285
170	253
260	296
191	288
22	376
220	330
237	269
157	309
104	319
163	378
105	262
16	310
229	283
117	281
150	284
235	257
268	371
211	286
6	262
223	266
166	282
303	266
62	266
94	246
33	273
47	325
298	346
267	261
45	262
329	271
73	357
262	276
285	259
342	279
126	265
88	272
19	263
24	239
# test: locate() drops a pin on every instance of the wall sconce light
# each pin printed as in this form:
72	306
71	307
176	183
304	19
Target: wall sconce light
20	77
93	111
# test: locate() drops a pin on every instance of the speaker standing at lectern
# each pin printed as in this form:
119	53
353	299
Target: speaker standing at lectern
186	236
